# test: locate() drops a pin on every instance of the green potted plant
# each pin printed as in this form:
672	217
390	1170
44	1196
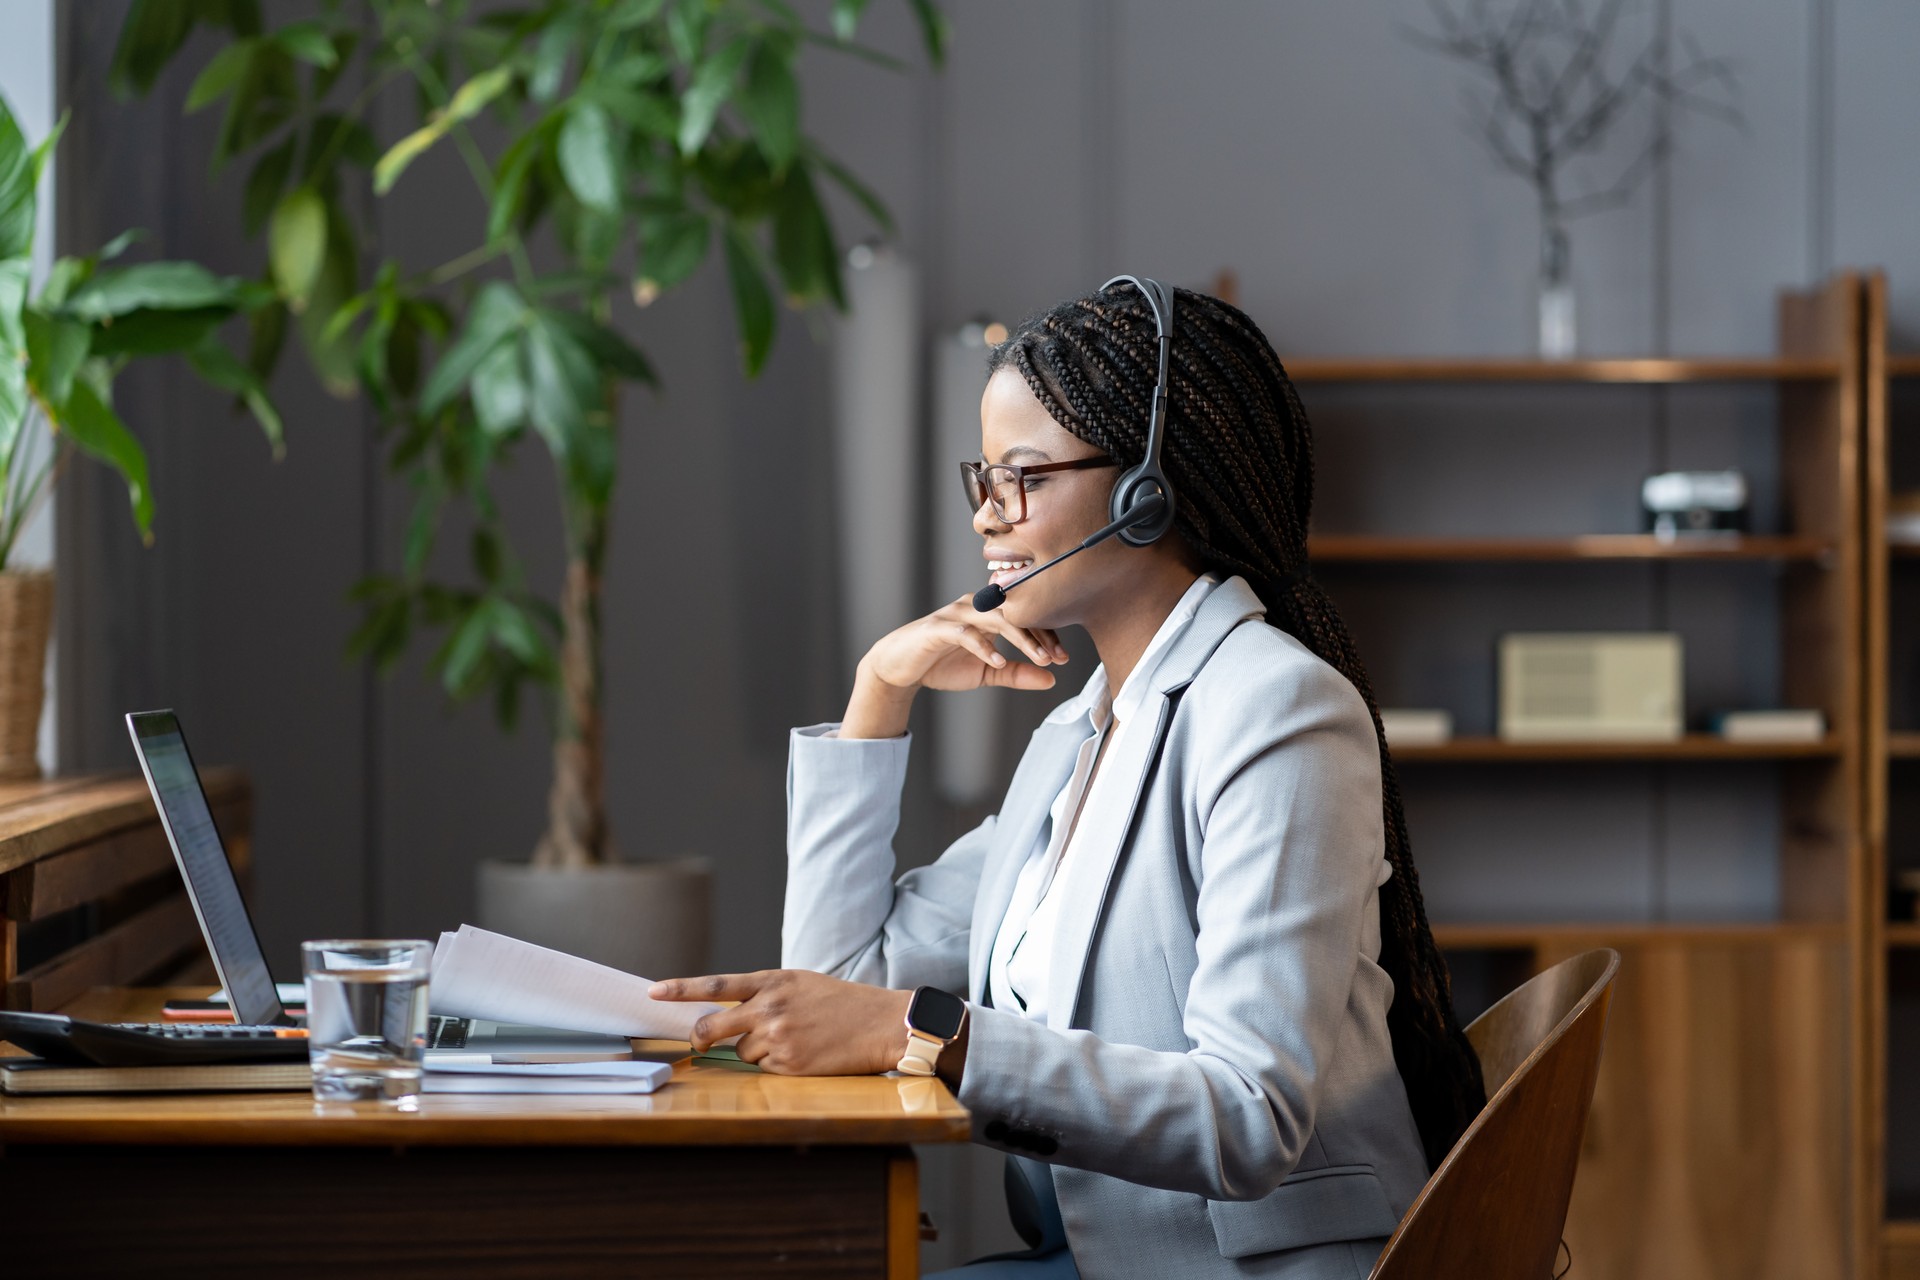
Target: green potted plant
60	351
612	145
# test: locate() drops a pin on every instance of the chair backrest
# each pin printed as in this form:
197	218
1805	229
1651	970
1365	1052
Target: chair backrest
1495	1207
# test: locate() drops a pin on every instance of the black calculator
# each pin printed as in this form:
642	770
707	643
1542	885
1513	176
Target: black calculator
58	1038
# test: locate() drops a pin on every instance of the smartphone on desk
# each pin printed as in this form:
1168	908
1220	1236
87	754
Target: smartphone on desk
293	996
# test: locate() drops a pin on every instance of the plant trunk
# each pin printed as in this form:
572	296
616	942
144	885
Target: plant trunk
576	806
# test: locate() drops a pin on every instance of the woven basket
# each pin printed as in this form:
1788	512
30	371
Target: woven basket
26	616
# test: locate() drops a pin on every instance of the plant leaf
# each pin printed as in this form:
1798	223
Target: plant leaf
338	279
499	391
170	286
264	184
671	247
861	193
587	159
17	183
770	101
846	17
308	42
465	648
221	74
752	302
55	348
390	166
471	98
97	430
220	367
550	61
497	311
14	273
933	29
297	245
612	352
152	332
803	245
709	90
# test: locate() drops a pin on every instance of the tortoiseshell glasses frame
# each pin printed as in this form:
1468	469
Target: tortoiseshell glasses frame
1005	484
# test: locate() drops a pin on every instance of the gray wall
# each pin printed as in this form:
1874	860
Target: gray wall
1310	150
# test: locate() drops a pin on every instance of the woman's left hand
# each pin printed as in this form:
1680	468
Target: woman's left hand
794	1022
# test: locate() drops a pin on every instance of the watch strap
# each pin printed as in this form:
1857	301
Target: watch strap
923	1052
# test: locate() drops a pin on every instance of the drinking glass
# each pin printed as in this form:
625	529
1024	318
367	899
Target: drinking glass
367	1018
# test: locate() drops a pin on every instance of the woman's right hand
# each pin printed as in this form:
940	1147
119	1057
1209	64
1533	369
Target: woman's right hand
951	648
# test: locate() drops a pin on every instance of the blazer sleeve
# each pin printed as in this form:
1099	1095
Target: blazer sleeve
845	913
1286	789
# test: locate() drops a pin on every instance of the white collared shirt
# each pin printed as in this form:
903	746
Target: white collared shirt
1021	963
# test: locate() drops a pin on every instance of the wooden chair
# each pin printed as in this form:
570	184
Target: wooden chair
1495	1207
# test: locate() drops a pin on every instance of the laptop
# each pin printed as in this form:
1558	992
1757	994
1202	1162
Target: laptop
231	937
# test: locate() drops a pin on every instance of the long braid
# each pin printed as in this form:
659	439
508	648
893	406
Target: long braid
1239	454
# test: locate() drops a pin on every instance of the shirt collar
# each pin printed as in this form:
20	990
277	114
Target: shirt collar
1094	701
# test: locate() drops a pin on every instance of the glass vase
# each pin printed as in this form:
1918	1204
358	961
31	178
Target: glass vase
1556	334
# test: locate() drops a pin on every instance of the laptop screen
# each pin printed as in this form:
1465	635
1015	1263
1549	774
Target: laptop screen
215	894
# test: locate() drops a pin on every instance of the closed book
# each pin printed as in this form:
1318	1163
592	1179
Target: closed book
36	1075
1416	726
547	1077
1786	725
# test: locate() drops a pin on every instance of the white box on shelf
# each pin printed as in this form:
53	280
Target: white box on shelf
1416	726
1603	686
1786	724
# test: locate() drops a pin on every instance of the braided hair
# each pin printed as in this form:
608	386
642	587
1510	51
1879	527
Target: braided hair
1239	455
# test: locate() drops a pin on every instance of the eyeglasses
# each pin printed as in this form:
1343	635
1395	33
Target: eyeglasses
1005	485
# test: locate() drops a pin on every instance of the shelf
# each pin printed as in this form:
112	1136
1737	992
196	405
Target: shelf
1905	365
1363	548
1641	371
1903	746
1520	936
1903	1232
1694	746
1903	934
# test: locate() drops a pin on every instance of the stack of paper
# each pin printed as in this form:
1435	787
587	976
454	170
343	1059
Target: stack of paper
478	974
546	1077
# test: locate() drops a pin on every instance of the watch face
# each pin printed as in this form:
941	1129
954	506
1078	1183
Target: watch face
936	1012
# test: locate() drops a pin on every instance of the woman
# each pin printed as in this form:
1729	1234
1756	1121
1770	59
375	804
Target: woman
1205	1010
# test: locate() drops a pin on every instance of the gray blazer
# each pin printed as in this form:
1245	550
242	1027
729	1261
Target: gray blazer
1214	1087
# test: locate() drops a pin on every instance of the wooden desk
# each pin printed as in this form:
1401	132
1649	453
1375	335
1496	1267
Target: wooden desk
721	1173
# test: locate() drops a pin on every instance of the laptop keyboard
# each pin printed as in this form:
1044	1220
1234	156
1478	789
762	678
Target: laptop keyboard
447	1033
218	1031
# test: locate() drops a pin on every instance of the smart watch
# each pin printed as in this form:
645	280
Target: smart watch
934	1019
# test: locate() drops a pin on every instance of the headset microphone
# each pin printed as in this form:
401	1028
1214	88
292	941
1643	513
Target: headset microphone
992	596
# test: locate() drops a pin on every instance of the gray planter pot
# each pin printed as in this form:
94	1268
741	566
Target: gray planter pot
648	918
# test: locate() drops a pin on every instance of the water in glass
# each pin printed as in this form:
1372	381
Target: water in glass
367	1021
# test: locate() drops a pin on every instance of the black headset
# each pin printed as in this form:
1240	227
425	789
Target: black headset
1141	509
1137	484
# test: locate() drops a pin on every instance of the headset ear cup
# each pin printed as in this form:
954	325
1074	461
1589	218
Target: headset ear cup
1137	485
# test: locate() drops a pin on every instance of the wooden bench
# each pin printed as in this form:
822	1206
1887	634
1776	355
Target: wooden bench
89	892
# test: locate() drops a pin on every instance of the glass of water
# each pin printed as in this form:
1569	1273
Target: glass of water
367	1018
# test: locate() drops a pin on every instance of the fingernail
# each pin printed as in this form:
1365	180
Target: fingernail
999	661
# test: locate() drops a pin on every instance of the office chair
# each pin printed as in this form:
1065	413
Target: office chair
1495	1207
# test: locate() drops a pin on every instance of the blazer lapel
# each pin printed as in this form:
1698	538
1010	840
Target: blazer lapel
1103	835
1045	768
1087	874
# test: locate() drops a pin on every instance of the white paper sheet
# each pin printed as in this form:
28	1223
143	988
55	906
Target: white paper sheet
479	974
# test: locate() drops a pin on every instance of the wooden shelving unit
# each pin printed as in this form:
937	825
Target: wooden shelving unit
1640	371
1351	548
1693	746
1704	1008
1891	739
